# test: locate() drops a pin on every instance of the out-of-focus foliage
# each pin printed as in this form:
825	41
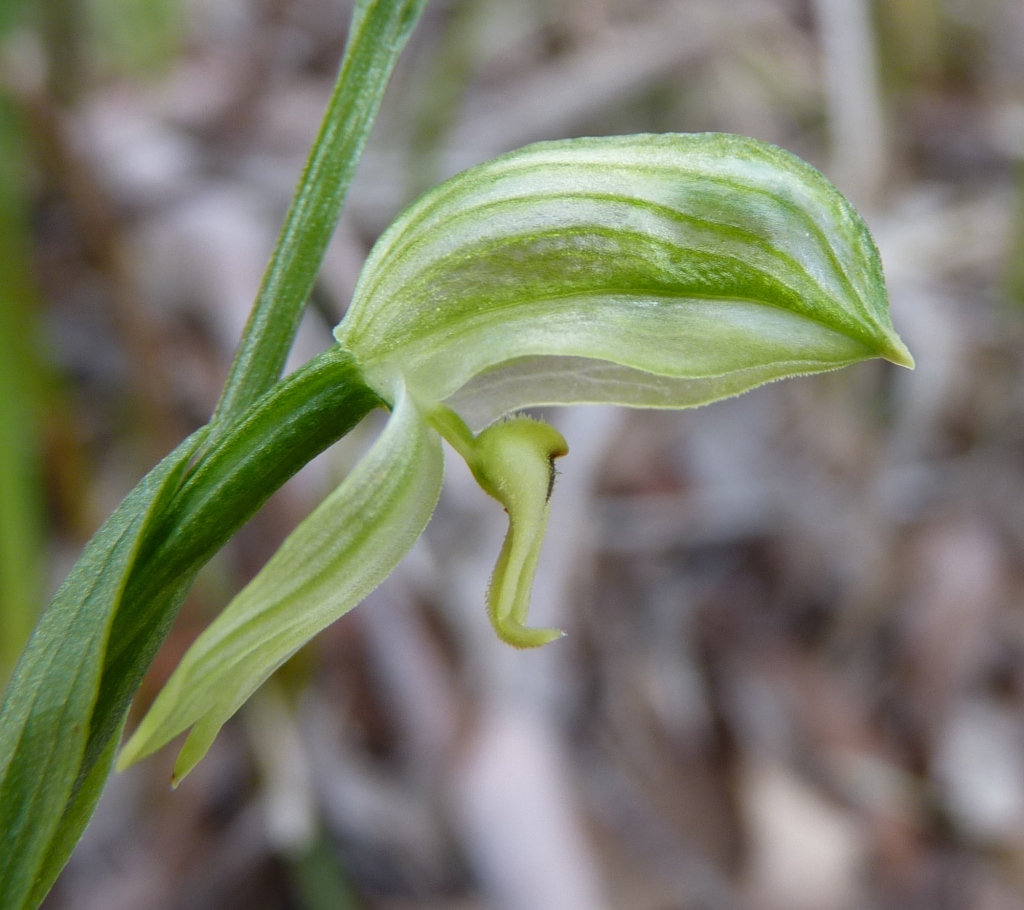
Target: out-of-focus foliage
12	14
21	399
133	37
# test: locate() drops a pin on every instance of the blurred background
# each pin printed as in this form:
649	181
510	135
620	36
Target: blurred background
794	674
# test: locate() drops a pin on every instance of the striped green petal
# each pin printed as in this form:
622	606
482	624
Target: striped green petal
340	553
577	270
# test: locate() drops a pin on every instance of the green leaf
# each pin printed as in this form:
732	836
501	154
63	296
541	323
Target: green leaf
76	816
65	707
654	270
376	37
340	553
299	418
45	715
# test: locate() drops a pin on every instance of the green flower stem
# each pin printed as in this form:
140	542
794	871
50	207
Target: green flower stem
299	418
377	35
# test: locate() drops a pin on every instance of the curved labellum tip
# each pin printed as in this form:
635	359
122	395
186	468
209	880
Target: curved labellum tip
515	463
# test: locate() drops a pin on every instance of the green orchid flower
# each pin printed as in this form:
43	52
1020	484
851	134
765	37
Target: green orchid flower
661	271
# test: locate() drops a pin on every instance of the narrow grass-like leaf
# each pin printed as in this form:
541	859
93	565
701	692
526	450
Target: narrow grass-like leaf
72	823
20	393
337	556
49	701
65	707
377	35
299	418
20	492
66	704
712	262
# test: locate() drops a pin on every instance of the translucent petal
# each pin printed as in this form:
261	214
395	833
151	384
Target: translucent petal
340	553
712	259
